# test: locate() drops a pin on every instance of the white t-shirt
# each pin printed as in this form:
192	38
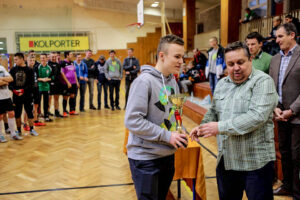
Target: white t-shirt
4	91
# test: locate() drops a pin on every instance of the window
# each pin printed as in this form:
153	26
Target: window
259	6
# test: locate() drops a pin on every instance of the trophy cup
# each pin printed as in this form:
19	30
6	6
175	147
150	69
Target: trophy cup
178	100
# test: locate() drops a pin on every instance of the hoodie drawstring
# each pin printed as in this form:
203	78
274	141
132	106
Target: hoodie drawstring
165	86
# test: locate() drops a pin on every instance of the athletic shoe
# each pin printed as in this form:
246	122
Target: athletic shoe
39	123
58	115
73	112
99	108
50	114
118	108
7	131
16	136
26	127
82	110
92	107
48	120
106	107
112	108
2	138
65	114
33	133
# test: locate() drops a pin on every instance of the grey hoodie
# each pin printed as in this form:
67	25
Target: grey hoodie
114	70
149	115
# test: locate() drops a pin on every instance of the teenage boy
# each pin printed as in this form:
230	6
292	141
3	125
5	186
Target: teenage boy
102	82
70	83
113	73
6	105
21	86
153	138
44	73
82	75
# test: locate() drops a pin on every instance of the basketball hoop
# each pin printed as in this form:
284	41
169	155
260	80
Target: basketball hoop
132	27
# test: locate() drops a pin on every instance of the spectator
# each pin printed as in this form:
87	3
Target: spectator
131	65
241	118
113	73
189	77
249	16
199	60
295	21
271	46
82	76
215	64
102	82
260	59
285	70
90	63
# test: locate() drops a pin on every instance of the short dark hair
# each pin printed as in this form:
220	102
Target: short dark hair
255	35
43	54
112	51
168	39
130	49
248	9
238	45
20	55
89	50
31	51
67	53
77	54
289	28
289	16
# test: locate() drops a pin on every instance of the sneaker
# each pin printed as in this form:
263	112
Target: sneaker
92	107
118	108
2	139
7	131
16	136
106	107
65	114
73	112
26	127
112	108
99	108
50	114
48	120
58	115
39	123
33	133
82	110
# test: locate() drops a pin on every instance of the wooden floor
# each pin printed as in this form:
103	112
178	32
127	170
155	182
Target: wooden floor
81	151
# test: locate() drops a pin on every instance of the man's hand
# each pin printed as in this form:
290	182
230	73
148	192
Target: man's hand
78	85
81	78
108	79
86	79
69	84
127	72
178	139
194	134
278	114
96	81
208	130
286	114
134	67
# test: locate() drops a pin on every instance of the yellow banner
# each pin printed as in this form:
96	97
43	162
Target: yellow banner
54	43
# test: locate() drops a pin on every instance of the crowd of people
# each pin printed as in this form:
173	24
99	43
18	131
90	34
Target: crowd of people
29	82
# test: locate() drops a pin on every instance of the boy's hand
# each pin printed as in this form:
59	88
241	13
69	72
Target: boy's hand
69	84
178	140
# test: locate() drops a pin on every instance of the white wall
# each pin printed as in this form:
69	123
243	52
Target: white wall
202	40
108	29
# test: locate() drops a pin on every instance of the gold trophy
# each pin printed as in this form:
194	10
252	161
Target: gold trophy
178	100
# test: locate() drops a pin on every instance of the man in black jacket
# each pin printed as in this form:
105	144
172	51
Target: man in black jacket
92	75
131	66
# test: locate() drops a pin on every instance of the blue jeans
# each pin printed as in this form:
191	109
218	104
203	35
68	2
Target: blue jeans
213	80
99	88
152	178
256	183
